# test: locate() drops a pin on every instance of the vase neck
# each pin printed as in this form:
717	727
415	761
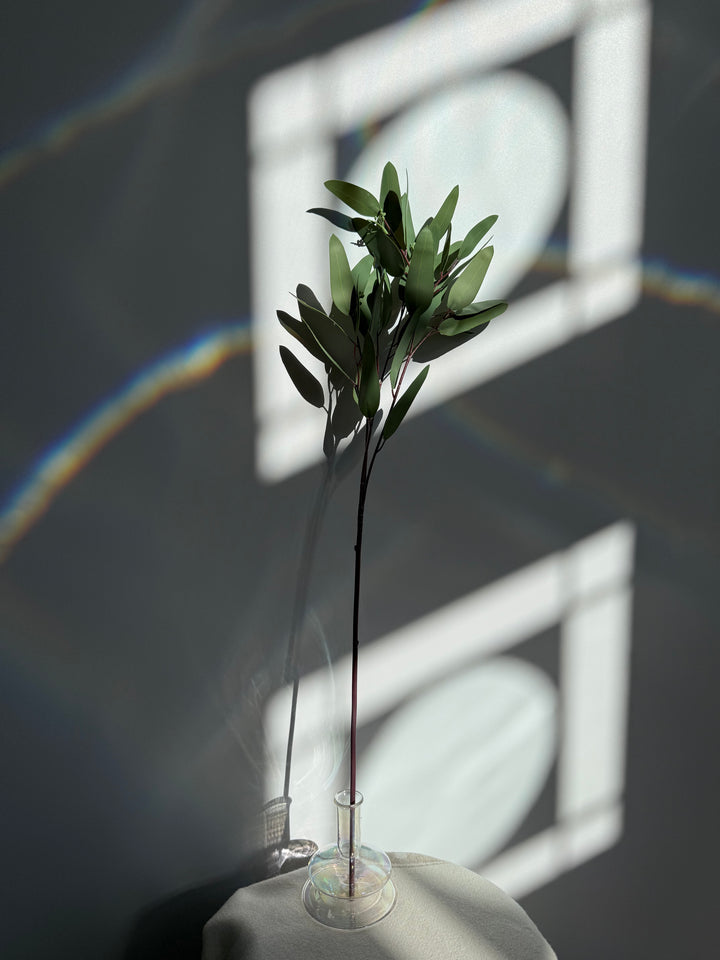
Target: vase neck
348	822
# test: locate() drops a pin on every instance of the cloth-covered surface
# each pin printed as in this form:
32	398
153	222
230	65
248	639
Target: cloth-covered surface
442	911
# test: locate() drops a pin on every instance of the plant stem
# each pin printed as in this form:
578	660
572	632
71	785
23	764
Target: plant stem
355	651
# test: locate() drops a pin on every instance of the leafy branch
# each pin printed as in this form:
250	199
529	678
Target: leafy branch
411	298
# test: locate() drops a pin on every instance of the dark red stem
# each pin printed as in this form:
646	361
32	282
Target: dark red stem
364	477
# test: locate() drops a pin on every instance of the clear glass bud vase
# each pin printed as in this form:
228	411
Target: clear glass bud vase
349	885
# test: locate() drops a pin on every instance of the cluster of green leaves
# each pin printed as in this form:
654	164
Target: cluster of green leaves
410	298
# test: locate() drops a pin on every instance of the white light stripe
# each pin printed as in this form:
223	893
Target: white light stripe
595	650
547	855
601	562
417	55
609	107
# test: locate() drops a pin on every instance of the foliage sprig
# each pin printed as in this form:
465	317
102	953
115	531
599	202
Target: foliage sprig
410	298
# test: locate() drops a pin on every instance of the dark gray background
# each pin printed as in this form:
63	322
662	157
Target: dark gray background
153	597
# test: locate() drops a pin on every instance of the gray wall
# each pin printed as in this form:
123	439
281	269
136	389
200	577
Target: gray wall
146	593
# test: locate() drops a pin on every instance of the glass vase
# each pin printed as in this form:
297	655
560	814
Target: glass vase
349	885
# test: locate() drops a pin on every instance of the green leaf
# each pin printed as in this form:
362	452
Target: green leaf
480	306
358	198
305	296
364	316
301	333
361	272
369	238
378	309
346	413
388	318
428	314
389	255
408	228
341	280
442	219
475	236
397	413
362	226
335	217
307	385
421	272
335	344
393	215
403	348
452	258
365	312
440	268
389	182
384	347
436	345
344	320
369	389
465	320
396	304
467	283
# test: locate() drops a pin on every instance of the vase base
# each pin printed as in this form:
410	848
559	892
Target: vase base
342	897
348	913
